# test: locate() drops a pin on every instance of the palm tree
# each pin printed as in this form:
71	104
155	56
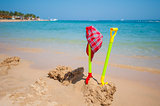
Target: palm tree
16	13
7	14
11	13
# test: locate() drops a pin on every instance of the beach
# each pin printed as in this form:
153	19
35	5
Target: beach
22	76
19	20
42	46
7	20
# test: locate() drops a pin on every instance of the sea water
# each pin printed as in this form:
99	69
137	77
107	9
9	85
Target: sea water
137	43
134	38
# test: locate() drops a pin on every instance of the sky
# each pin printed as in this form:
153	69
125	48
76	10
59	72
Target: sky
87	9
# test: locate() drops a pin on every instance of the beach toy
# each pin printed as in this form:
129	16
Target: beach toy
108	54
89	65
94	38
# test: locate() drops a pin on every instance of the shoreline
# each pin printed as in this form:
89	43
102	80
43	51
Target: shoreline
10	20
56	57
34	50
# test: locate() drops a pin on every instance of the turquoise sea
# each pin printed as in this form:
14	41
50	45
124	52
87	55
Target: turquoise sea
135	53
134	38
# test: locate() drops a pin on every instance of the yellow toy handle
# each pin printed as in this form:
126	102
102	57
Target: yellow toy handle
114	29
112	36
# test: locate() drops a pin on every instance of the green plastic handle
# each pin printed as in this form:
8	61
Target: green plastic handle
107	59
89	59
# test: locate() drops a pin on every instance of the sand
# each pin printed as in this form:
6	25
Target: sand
66	75
23	85
10	20
97	95
30	50
131	67
6	47
94	94
41	92
7	20
6	64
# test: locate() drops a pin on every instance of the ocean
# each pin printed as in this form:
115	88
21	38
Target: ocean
134	38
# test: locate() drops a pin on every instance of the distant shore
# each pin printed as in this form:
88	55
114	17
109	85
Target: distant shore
10	20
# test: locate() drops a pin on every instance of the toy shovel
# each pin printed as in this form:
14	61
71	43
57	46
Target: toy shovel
89	64
108	54
95	39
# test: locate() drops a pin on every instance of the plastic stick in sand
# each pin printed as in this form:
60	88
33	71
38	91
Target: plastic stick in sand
108	54
89	59
89	65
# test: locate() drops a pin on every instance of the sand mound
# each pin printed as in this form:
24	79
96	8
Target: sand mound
96	95
6	64
66	75
34	95
10	61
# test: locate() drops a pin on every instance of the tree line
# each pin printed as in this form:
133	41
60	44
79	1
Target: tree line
9	14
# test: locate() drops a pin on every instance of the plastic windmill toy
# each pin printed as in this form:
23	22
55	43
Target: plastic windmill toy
95	39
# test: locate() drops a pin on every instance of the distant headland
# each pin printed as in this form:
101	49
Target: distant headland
9	16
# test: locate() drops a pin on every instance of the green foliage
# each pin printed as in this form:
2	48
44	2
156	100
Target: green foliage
4	13
11	13
30	15
15	13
